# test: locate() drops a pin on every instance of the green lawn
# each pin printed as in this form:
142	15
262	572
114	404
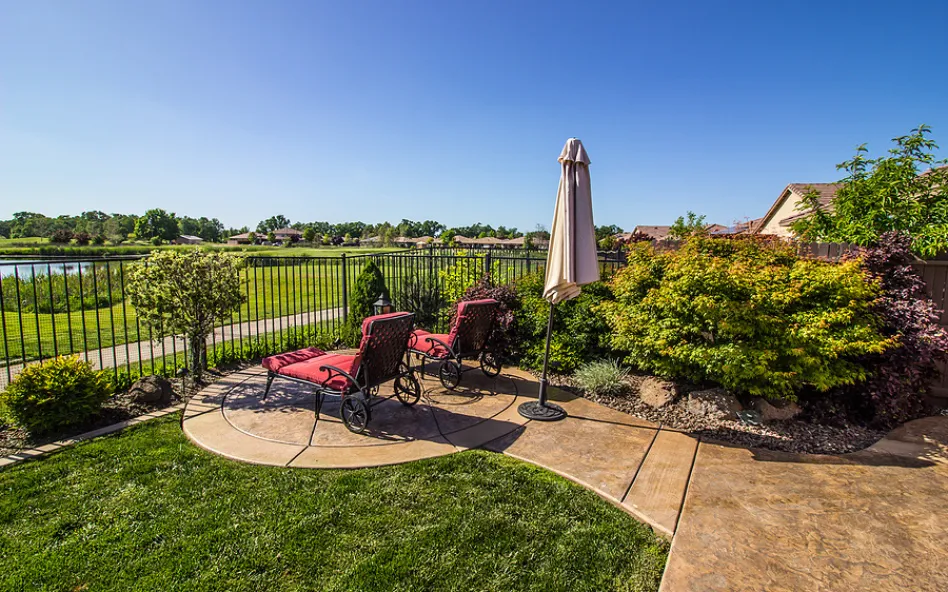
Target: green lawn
146	510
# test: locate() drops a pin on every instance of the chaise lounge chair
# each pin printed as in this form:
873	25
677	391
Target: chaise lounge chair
355	378
468	339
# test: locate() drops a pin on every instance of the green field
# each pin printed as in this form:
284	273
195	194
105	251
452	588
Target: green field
147	510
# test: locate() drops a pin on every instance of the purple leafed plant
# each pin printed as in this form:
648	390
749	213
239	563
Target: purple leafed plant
501	339
900	376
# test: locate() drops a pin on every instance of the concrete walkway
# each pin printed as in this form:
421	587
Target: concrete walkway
739	519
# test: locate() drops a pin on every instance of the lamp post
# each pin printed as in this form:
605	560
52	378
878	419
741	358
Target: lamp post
383	305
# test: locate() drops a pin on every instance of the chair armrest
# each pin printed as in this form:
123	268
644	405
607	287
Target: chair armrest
450	349
334	370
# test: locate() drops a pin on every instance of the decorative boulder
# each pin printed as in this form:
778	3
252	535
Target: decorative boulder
715	402
151	390
656	392
775	412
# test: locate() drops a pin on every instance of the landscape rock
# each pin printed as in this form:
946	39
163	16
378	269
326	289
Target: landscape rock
656	392
151	390
715	402
771	412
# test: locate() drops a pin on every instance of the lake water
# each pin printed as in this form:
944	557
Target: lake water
26	270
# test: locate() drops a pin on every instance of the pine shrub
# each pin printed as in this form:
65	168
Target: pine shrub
55	394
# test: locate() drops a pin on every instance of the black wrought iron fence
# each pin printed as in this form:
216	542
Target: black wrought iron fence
81	306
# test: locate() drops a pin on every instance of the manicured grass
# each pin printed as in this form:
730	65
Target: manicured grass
146	510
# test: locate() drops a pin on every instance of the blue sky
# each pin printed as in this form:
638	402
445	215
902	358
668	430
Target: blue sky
454	111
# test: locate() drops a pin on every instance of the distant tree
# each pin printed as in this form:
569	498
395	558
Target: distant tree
61	236
119	226
604	231
185	293
906	191
98	240
252	237
326	240
5	228
683	227
82	238
309	235
608	243
157	223
273	223
447	237
271	237
27	224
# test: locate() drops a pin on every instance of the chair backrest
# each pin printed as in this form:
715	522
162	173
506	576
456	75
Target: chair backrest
383	346
473	326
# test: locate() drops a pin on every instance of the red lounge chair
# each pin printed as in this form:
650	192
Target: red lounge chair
355	378
468	339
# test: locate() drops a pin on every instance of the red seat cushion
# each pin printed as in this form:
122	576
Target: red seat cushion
419	343
275	363
310	370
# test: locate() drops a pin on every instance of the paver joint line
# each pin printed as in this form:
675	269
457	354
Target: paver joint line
641	462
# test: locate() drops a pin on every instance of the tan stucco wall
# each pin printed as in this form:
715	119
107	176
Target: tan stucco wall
787	209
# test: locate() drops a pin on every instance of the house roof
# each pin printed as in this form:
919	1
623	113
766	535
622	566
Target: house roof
653	232
243	235
826	191
191	237
287	231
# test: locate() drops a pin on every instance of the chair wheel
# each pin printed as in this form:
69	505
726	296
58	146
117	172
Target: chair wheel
407	389
355	412
490	364
450	374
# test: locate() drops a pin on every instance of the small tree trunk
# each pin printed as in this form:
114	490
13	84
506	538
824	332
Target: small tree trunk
198	345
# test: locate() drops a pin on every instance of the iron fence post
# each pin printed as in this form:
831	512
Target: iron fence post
345	291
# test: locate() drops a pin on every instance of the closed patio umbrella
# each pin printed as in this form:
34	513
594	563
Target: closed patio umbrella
571	260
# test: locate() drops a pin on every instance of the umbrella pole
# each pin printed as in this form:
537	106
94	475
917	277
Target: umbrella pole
541	409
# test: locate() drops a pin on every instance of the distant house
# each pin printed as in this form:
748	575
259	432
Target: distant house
783	213
239	239
187	239
287	235
656	233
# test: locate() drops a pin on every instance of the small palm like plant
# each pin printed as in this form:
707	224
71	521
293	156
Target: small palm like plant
603	377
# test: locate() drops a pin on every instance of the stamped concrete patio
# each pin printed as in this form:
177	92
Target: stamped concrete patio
739	519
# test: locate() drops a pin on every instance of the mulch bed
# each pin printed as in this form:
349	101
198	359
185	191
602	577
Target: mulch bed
117	409
788	436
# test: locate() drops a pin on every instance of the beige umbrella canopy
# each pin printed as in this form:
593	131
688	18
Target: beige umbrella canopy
571	261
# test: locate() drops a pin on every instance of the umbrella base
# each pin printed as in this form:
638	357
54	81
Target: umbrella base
542	411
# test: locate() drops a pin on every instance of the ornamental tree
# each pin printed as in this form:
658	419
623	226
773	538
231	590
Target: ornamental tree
184	293
906	191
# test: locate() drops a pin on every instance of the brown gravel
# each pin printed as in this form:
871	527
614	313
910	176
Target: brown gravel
788	436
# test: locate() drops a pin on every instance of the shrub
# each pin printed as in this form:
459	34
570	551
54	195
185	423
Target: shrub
502	340
54	394
746	314
421	294
580	333
98	240
603	377
186	293
368	286
466	272
900	376
61	236
82	238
